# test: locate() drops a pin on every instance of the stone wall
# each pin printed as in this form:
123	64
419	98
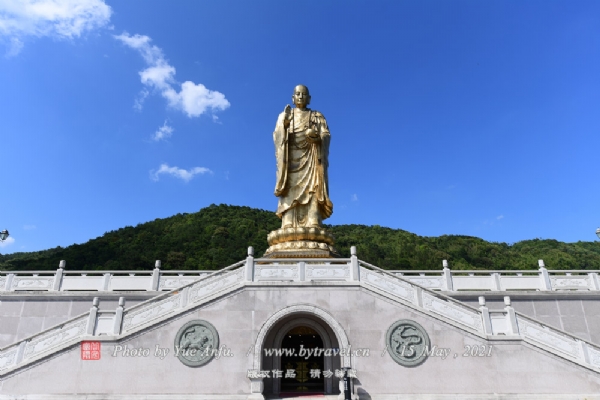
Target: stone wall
512	367
22	315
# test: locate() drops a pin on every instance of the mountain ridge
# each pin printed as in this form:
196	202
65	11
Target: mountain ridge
218	235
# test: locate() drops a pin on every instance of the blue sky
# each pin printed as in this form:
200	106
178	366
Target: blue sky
447	117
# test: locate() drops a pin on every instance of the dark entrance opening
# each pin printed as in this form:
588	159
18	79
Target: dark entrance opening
298	342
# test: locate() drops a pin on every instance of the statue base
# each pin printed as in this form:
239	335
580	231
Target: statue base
301	249
301	243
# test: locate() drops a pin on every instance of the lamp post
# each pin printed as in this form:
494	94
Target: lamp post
3	235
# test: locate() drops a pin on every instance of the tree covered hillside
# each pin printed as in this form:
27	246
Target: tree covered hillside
218	236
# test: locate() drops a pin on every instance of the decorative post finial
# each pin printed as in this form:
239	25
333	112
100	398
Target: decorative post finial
250	251
118	316
447	276
485	314
62	264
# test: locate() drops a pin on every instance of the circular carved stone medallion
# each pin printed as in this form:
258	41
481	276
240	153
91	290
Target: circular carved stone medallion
407	343
196	343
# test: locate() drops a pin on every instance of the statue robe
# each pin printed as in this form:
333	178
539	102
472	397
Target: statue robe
301	164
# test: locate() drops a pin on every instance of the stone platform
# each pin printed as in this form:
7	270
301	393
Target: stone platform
255	304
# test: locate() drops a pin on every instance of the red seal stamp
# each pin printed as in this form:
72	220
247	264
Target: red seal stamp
90	350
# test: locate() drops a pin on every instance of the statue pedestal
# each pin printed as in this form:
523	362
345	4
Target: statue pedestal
301	243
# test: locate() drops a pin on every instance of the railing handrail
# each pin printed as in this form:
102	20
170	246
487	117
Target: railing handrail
528	318
498	271
309	260
47	271
173	291
155	298
116	272
353	263
517	315
184	271
431	292
112	272
305	260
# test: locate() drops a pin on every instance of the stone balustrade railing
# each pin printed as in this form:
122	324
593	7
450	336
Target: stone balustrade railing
159	280
111	325
101	281
510	323
506	323
481	280
107	325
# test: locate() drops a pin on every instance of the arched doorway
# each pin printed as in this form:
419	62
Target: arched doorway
303	361
271	336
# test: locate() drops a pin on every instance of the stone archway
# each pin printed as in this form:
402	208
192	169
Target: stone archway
328	343
281	322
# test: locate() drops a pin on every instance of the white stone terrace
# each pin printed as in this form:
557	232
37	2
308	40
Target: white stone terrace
64	280
505	324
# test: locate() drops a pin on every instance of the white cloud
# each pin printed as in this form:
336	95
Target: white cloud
29	227
9	241
62	19
139	102
193	99
354	197
159	76
500	217
164	132
196	99
180	173
14	48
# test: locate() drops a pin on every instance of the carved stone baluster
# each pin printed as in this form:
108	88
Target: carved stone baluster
106	282
496	281
354	268
544	277
594	281
513	327
119	316
20	352
9	279
485	315
585	355
447	275
249	268
91	324
58	277
155	276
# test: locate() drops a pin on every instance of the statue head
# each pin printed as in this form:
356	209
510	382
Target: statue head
301	97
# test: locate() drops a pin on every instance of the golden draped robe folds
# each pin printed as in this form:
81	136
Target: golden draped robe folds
302	183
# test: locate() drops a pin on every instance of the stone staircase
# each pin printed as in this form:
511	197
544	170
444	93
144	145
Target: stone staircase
109	326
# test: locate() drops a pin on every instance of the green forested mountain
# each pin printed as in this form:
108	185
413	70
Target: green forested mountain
218	236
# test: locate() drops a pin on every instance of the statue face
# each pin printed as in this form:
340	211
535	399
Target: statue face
301	98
